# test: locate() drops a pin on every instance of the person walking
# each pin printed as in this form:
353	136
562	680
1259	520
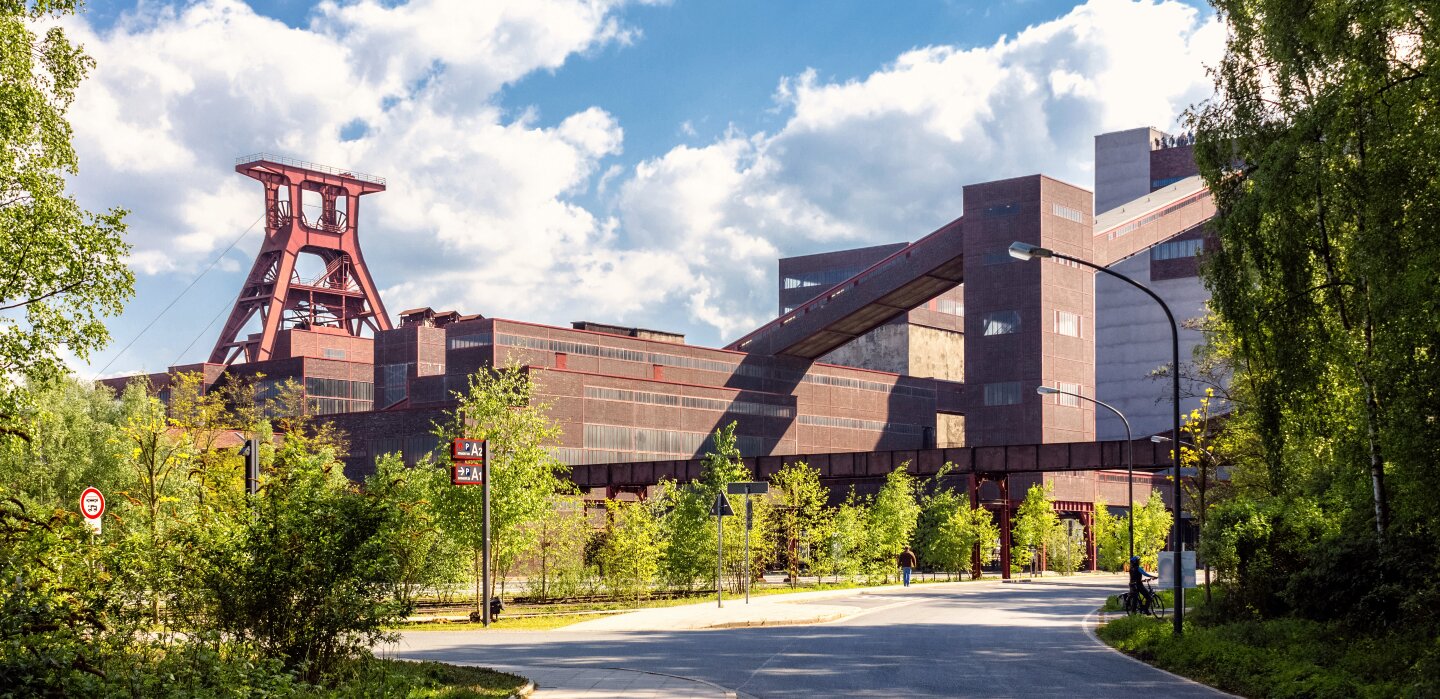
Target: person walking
907	563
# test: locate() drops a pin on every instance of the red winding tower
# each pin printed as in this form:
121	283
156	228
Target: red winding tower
342	297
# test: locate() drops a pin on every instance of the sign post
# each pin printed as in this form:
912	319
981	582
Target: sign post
748	488
470	465
720	510
92	506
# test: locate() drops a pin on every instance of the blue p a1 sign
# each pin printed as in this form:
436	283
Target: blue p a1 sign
463	473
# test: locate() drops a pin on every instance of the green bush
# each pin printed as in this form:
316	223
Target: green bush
307	580
1282	657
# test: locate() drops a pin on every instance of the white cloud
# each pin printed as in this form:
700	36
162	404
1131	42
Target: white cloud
884	158
480	212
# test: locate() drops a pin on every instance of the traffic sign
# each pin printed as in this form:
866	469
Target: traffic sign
92	506
747	488
466	473
721	507
469	449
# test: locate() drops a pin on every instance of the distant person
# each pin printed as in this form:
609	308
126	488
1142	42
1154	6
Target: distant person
907	563
1138	575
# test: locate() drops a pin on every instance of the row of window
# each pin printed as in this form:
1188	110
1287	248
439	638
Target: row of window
708	365
339	388
853	424
1068	213
743	407
332	406
1176	249
1011	393
950	307
411	448
824	277
333	353
658	444
1008	323
1003	393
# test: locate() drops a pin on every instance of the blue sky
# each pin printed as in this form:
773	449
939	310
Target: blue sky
640	163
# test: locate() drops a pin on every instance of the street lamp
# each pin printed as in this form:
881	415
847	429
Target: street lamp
1129	450
1026	251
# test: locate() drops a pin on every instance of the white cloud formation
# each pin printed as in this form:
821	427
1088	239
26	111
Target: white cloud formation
883	159
481	213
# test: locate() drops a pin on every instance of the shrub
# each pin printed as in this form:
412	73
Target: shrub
306	581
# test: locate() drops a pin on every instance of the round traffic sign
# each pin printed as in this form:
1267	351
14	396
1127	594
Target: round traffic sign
92	503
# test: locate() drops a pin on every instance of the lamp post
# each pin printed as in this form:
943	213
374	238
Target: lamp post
1026	251
1129	450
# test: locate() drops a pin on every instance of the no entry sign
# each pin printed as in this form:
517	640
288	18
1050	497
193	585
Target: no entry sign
92	505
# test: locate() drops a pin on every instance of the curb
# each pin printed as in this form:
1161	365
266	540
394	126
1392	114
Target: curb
1087	627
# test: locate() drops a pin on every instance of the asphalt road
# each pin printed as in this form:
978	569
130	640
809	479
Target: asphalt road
945	640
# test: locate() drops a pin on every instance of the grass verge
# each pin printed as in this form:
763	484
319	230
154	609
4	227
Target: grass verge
442	681
1283	658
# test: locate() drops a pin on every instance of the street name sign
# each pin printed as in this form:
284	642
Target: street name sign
747	488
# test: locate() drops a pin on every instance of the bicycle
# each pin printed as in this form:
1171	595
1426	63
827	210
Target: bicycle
1150	603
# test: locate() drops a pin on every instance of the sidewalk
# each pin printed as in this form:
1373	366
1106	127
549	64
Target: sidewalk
767	610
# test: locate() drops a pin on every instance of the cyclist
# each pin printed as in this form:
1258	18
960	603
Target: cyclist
1138	575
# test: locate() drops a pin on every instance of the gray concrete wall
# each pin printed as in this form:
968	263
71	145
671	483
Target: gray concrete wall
1122	166
1132	339
886	348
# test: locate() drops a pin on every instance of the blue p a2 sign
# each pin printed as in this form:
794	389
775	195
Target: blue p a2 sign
463	473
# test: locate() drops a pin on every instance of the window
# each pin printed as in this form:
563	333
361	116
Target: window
1068	213
1067	323
332	353
823	277
950	306
1000	323
1007	393
1070	401
1176	249
1002	210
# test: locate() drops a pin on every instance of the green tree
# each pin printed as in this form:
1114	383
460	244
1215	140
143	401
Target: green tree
633	549
74	444
1152	529
63	268
1112	539
158	457
950	530
891	523
560	539
1065	546
843	553
800	500
424	556
308	580
1034	521
499	406
1318	146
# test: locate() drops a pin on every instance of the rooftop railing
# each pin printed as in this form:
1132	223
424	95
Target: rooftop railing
295	162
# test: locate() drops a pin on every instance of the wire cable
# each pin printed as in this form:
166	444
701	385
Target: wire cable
179	296
225	307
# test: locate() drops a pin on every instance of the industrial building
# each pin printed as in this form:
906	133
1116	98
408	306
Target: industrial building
921	352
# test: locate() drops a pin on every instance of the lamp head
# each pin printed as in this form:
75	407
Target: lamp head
245	450
1046	390
1158	439
1026	251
